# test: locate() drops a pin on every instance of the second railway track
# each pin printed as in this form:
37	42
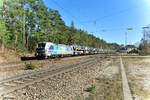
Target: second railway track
21	65
11	84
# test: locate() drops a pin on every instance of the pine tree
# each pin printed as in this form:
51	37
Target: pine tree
24	23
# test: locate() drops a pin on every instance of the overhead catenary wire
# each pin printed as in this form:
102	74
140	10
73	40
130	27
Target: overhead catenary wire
67	12
110	15
118	29
95	22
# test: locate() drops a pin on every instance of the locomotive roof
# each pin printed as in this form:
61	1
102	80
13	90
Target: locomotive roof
46	42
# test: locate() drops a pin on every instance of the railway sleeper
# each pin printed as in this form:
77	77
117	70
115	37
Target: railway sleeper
9	84
20	82
27	79
33	77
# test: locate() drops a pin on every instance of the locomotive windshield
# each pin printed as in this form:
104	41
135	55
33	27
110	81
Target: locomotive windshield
41	45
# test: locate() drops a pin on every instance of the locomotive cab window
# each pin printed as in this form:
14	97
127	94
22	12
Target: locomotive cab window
41	45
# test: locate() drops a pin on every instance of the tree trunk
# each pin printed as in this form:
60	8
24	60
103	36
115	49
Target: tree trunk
16	43
4	14
27	40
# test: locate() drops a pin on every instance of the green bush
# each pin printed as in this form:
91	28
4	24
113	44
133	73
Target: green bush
30	66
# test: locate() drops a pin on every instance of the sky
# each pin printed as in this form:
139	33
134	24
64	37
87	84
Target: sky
106	19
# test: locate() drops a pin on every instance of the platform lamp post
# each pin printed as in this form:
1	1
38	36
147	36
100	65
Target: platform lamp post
144	35
126	35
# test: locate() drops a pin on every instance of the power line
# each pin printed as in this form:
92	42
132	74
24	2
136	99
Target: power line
67	12
116	29
109	15
98	19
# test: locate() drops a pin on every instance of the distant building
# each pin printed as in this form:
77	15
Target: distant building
123	50
130	48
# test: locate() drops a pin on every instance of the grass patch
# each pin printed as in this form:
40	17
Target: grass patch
107	89
141	75
138	90
91	88
78	98
30	66
98	79
50	60
57	59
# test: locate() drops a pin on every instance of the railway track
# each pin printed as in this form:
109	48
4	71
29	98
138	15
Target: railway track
22	65
11	84
34	61
19	65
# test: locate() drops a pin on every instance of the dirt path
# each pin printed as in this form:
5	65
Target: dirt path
138	74
108	84
1	59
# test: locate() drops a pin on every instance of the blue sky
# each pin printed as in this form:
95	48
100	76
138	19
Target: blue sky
106	19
